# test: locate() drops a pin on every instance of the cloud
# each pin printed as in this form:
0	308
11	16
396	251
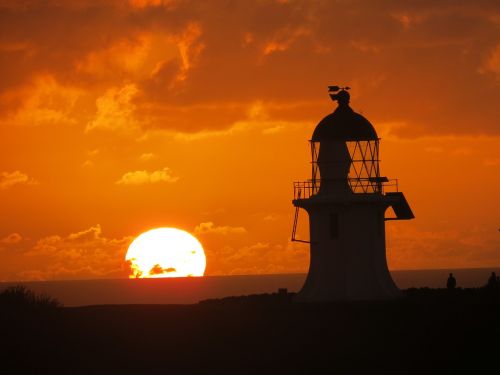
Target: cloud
158	270
88	163
210	227
260	258
126	55
150	3
147	156
145	177
12	238
42	101
115	110
189	48
9	179
249	252
410	246
271	217
273	130
84	254
492	63
172	65
12	242
491	162
283	39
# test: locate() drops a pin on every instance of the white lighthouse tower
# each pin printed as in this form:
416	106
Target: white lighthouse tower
346	199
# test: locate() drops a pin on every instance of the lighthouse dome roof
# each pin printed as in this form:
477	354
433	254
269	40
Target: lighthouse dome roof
344	125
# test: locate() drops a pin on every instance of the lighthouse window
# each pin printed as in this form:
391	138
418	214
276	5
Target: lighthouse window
334	225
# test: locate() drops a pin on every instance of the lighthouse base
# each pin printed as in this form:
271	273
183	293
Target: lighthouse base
348	260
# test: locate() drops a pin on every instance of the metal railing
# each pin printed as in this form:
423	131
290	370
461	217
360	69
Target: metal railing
306	189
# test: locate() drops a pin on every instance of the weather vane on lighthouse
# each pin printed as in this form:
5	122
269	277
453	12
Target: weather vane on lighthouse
346	199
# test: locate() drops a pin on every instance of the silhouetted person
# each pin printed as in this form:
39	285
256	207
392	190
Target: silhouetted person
493	281
451	283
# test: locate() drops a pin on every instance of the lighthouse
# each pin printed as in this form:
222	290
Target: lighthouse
347	202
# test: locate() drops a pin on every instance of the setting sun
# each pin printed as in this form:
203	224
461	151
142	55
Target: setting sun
165	252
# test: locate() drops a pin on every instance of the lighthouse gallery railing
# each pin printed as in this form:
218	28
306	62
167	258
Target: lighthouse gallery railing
306	189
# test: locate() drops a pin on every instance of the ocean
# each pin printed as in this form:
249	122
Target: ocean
194	289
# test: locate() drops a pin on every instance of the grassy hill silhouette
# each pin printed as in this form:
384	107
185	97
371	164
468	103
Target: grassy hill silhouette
428	330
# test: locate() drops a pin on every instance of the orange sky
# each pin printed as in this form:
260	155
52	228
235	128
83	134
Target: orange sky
116	118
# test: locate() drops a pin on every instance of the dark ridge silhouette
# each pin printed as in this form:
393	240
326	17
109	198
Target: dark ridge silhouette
264	298
483	294
463	295
422	331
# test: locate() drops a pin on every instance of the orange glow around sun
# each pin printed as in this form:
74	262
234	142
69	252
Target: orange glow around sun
166	252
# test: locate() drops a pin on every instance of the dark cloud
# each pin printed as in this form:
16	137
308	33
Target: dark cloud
159	270
428	64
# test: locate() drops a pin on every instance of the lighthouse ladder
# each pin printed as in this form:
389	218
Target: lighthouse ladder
294	229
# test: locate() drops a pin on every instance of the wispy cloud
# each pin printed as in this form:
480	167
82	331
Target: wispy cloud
492	63
210	227
273	130
261	258
12	238
145	177
9	179
147	156
491	162
411	247
115	110
44	101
